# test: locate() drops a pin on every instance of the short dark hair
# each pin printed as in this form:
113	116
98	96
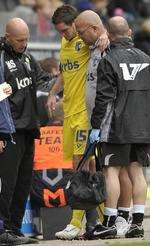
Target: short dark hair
48	64
65	13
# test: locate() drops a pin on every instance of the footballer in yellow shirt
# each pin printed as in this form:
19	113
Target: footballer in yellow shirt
74	57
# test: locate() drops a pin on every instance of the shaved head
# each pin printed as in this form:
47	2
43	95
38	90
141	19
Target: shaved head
89	17
17	34
15	26
89	26
118	27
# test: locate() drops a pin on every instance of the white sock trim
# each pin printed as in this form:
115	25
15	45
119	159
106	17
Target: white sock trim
124	209
110	211
138	209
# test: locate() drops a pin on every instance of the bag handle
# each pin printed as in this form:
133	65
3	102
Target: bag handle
90	149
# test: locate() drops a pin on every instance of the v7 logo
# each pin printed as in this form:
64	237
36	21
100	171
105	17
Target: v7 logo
135	69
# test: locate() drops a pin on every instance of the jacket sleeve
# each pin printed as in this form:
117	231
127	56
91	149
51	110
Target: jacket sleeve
105	94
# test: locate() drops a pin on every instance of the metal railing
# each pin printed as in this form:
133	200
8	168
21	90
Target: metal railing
42	50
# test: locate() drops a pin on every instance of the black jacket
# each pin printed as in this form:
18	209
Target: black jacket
122	105
22	72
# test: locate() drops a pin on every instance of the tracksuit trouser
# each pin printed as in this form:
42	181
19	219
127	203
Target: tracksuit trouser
16	168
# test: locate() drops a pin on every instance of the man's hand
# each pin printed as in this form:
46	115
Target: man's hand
103	41
51	102
94	136
8	89
2	146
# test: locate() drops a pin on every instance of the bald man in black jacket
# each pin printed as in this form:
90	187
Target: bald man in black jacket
121	122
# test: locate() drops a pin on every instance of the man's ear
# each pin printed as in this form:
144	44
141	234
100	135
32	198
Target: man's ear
6	36
95	28
130	33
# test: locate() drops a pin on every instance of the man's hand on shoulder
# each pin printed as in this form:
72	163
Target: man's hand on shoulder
103	41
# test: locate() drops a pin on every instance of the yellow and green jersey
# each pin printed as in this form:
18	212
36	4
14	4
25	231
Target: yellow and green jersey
74	57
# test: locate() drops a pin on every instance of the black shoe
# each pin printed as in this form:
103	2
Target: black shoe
29	240
135	231
103	232
88	232
87	236
17	232
9	238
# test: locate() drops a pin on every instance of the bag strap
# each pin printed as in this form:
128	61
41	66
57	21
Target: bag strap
88	150
98	157
91	149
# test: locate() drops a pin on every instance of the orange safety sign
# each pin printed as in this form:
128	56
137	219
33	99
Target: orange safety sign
49	149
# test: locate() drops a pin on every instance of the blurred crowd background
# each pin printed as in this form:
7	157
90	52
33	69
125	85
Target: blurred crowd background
38	13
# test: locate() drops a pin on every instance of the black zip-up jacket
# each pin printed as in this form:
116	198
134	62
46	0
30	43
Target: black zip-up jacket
22	72
122	105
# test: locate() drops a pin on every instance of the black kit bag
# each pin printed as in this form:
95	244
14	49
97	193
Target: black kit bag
85	190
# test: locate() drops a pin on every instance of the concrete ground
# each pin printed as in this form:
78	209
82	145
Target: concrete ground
99	242
112	242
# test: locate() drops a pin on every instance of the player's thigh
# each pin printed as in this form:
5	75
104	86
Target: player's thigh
68	140
81	133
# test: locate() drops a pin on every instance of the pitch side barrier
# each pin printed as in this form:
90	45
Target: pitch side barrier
42	50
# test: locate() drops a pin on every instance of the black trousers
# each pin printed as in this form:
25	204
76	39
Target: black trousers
16	168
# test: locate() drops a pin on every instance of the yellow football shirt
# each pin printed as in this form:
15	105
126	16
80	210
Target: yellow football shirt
74	57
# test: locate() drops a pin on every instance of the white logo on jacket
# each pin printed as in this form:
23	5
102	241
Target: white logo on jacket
11	65
135	69
22	83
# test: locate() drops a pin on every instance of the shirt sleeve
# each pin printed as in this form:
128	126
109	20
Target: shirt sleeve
105	94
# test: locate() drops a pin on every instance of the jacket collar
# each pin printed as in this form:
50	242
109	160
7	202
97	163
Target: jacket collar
122	42
8	48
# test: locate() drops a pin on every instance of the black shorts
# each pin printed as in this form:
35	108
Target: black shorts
124	154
